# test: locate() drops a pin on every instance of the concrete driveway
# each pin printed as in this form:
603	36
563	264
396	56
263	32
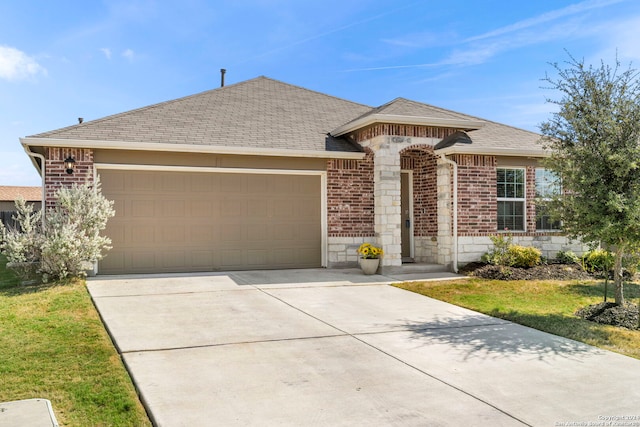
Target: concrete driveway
316	347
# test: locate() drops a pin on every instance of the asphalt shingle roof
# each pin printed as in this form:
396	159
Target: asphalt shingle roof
269	114
257	113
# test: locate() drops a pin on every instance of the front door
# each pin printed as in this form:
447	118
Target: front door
406	204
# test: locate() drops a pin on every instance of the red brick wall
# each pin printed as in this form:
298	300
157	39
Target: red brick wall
56	175
477	195
416	131
350	202
422	162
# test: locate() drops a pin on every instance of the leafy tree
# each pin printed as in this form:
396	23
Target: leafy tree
67	239
595	152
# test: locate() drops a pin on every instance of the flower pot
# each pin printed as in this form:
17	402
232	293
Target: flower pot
369	265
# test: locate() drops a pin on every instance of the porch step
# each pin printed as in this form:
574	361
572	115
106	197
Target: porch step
416	268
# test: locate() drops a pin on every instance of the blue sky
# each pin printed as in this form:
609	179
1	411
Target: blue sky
60	60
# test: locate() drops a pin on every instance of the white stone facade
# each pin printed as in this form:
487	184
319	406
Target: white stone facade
471	248
343	251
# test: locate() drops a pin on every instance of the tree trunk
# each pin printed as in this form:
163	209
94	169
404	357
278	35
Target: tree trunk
617	275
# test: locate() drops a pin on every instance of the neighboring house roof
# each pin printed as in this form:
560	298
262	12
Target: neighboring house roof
9	193
263	115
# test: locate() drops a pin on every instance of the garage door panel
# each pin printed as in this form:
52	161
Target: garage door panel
232	233
257	208
283	208
201	208
258	258
114	260
231	257
136	233
143	208
217	221
256	184
177	183
202	233
281	185
257	232
174	234
282	232
172	208
142	260
173	260
232	183
140	182
232	208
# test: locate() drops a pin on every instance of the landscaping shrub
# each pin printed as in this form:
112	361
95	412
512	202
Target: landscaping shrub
505	253
567	257
69	239
524	256
598	261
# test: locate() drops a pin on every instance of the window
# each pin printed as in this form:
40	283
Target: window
547	186
511	197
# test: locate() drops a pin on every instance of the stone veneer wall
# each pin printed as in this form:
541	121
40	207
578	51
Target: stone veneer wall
350	208
471	248
56	175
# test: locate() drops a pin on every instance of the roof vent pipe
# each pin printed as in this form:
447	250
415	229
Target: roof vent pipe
222	71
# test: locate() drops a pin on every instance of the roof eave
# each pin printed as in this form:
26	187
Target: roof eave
187	148
407	120
494	151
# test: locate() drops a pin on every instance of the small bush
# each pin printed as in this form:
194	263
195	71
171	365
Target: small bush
66	240
500	253
567	257
505	253
598	261
524	256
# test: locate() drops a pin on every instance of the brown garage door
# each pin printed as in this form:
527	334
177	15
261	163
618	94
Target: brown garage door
187	221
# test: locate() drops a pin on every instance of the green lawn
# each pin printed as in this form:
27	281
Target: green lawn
55	347
545	305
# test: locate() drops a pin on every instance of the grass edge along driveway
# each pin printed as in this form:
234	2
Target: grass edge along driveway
548	306
55	347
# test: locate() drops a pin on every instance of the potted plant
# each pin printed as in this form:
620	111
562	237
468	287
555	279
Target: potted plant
369	258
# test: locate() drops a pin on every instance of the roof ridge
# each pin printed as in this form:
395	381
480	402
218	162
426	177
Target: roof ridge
458	113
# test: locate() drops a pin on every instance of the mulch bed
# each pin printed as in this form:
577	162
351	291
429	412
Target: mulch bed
608	313
539	272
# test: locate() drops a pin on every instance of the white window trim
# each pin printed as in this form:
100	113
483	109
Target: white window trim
515	199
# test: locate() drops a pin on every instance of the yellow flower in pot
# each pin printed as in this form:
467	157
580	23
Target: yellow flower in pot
369	257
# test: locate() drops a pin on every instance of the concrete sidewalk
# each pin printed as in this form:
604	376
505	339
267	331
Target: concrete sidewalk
333	347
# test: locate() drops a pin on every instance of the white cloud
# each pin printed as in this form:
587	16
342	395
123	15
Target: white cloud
547	17
17	65
129	54
107	52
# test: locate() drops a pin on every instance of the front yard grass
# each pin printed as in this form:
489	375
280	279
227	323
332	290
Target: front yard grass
544	305
55	347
